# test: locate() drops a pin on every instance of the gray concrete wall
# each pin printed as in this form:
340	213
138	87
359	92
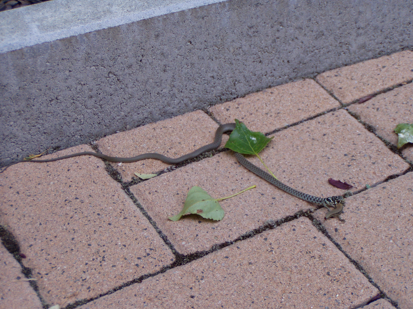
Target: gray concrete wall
127	69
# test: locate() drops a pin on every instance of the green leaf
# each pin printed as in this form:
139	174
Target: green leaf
405	132
199	202
245	141
145	176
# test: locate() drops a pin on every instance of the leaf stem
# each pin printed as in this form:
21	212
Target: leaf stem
265	166
32	156
227	197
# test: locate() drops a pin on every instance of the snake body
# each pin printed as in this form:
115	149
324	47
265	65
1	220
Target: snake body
214	145
332	201
337	202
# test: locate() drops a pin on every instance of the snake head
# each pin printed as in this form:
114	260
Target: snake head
333	201
337	203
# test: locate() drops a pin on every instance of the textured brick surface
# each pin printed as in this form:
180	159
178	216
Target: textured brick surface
15	291
80	232
293	266
378	234
331	146
220	176
303	157
277	107
408	153
173	138
386	111
362	79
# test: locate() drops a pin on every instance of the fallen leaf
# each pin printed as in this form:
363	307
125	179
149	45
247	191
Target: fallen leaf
365	99
245	141
339	184
145	176
199	202
405	132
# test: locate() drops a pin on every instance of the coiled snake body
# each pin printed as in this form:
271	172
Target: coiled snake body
336	202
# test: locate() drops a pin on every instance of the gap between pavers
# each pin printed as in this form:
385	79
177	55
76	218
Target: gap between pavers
81	233
304	156
15	290
378	235
380	304
366	78
292	266
277	107
173	138
385	111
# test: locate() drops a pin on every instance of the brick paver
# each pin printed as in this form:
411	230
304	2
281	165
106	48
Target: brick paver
80	232
277	107
93	241
257	273
386	111
378	234
366	78
173	137
15	291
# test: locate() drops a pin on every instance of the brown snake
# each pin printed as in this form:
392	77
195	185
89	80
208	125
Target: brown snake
336	202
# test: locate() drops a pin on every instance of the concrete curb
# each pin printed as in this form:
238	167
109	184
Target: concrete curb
75	78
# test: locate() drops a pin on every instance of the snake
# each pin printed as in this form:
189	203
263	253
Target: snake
336	202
